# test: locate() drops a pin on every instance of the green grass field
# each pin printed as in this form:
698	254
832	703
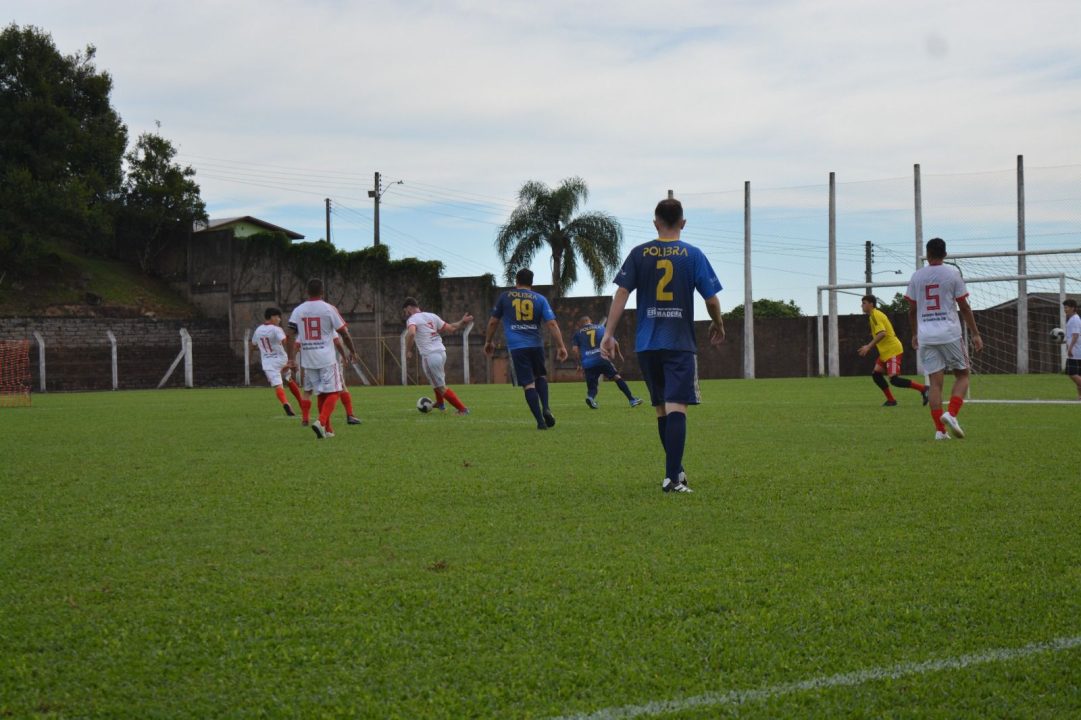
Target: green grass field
195	553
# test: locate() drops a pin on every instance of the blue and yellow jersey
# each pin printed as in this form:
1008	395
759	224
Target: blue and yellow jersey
588	341
665	273
523	312
889	345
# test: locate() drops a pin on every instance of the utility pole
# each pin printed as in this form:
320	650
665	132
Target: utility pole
868	254
377	195
328	219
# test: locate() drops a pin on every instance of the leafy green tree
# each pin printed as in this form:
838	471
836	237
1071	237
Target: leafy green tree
160	201
768	309
61	144
897	306
547	217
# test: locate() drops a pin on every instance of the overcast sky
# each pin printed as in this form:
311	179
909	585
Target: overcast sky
278	105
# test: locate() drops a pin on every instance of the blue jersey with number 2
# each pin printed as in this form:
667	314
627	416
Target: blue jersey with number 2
665	273
523	312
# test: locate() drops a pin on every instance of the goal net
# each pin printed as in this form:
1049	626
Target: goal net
1017	301
14	373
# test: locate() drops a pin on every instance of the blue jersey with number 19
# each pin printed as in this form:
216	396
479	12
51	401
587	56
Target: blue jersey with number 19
666	273
522	312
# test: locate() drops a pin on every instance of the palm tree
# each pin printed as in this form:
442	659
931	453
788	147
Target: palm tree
547	216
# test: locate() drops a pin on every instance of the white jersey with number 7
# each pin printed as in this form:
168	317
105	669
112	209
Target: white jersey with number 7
935	289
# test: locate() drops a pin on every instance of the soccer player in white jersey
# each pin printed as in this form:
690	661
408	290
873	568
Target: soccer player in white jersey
426	330
268	338
1073	343
935	294
313	325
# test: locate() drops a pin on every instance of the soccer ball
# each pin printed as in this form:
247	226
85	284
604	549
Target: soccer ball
425	404
1058	335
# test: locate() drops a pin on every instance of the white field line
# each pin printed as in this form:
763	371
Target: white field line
859	677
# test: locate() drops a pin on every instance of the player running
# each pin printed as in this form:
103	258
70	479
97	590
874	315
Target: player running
426	330
934	294
313	324
586	344
522	311
890	352
269	337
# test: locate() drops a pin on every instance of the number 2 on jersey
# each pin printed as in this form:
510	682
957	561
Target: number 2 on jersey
669	271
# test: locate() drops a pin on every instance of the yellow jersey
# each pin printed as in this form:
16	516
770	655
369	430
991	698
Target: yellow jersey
889	345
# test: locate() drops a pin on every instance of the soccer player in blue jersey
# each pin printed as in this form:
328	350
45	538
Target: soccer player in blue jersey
665	272
587	351
523	311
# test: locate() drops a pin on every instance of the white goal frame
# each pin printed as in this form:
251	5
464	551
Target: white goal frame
1022	339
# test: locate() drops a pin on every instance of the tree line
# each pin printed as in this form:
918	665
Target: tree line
68	177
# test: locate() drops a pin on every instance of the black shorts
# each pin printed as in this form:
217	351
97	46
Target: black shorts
605	368
1073	366
671	376
528	365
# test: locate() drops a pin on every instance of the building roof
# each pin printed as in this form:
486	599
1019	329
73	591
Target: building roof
1036	297
223	223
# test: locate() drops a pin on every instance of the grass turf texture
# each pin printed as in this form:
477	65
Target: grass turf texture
195	553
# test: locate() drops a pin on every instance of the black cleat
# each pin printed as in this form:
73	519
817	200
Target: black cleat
890	403
352	420
549	419
288	410
926	396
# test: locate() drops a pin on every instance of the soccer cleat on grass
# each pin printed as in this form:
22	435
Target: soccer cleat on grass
352	420
304	423
288	410
329	433
953	425
541	426
941	435
682	478
635	402
317	428
549	418
463	411
926	394
890	403
677	486
591	402
441	407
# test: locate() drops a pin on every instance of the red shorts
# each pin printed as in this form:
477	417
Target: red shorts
889	367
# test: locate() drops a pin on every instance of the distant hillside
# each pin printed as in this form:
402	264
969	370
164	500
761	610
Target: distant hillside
81	286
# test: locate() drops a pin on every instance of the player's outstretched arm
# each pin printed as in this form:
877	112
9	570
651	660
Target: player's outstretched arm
615	314
456	326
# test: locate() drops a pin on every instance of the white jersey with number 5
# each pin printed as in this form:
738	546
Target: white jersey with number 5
935	289
316	322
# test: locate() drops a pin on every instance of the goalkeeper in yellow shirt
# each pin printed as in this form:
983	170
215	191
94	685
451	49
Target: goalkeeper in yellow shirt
890	351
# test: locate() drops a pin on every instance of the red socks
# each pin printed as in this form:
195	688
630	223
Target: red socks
936	415
347	401
449	395
281	394
955	405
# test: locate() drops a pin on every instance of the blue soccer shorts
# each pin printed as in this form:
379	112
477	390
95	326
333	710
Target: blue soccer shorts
671	376
528	365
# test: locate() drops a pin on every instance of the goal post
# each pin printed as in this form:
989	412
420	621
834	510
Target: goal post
1015	313
15	373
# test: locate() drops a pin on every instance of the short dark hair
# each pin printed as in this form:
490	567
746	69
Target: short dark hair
271	312
936	249
410	302
1069	302
315	288
524	277
871	299
669	211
